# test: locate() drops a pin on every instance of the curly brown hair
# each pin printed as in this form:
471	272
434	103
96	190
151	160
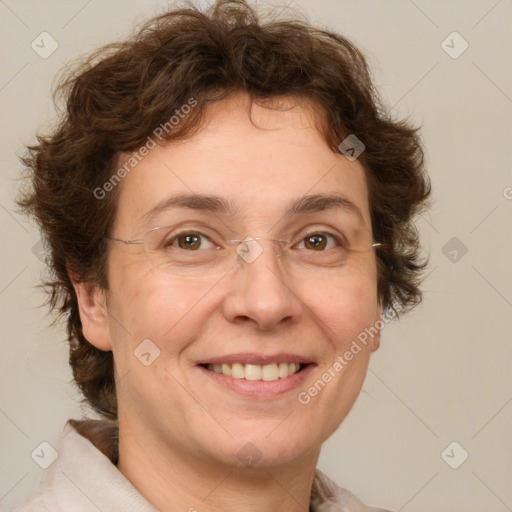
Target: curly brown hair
116	97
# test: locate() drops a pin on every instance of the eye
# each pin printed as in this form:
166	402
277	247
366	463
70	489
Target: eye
319	241
189	241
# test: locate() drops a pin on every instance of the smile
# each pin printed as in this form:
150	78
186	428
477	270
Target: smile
268	372
258	376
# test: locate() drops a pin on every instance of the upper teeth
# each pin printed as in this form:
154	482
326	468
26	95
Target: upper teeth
267	372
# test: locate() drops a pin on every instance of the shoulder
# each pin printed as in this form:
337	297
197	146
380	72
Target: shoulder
36	503
62	481
84	476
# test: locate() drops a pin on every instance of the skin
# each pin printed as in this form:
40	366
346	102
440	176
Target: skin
180	432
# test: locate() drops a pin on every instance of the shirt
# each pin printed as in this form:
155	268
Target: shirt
84	478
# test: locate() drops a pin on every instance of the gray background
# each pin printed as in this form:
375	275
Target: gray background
443	373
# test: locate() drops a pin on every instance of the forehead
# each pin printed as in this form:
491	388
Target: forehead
260	159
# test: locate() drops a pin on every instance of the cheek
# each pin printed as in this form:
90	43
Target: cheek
147	304
345	308
347	312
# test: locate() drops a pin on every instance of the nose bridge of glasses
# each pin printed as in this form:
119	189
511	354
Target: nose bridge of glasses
250	248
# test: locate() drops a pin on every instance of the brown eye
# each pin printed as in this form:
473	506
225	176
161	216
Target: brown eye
319	242
316	242
189	241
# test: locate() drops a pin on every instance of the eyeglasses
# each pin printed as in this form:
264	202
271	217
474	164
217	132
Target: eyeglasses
193	253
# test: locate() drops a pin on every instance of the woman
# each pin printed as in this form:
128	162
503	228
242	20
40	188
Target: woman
229	214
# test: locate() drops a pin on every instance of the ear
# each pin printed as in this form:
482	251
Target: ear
379	323
93	313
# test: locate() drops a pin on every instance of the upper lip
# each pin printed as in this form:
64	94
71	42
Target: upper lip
252	358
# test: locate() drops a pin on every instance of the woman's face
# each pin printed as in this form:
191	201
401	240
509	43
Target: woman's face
304	302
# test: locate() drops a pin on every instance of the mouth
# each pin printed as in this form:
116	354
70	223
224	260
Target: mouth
257	377
256	372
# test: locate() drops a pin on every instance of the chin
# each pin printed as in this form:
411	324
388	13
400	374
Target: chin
267	449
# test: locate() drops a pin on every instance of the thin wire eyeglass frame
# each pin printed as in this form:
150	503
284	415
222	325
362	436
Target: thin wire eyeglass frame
142	241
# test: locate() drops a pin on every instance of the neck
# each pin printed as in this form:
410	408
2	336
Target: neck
172	480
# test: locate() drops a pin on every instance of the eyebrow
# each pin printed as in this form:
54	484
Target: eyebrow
219	205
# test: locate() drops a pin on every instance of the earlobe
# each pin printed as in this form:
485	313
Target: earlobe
93	313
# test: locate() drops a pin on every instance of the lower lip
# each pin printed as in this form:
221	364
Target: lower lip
260	388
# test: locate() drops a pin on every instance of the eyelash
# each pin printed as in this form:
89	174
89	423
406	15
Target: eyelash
336	238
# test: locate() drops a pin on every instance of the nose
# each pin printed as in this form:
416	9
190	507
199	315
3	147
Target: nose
260	292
